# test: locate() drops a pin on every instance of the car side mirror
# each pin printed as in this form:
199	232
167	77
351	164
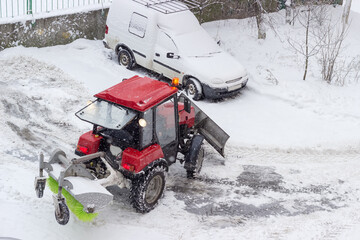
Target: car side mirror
187	105
172	55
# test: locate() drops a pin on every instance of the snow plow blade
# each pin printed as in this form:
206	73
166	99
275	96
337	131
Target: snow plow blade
213	134
69	178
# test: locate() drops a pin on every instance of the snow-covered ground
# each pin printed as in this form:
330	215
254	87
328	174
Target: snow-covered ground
293	158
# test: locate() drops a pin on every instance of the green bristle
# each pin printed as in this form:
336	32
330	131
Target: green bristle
74	205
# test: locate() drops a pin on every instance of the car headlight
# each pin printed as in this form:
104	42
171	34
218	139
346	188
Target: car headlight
238	80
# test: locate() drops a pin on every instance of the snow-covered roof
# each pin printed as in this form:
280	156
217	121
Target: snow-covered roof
138	93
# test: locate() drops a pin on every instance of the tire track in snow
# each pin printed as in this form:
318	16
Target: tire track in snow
327	229
335	229
220	198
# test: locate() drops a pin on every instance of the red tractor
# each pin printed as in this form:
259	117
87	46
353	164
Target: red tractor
139	128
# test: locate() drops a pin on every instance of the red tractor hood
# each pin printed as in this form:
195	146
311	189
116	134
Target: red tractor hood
138	93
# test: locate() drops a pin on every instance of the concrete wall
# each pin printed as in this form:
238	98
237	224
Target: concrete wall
54	30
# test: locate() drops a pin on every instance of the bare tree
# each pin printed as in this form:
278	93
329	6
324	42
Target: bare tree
203	6
288	5
332	42
309	46
259	10
335	68
346	12
328	37
346	71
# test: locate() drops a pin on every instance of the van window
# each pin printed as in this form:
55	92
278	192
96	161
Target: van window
138	24
166	42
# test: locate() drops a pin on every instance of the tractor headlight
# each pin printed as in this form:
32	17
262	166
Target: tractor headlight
142	122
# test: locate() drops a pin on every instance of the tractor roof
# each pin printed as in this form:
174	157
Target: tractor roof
138	93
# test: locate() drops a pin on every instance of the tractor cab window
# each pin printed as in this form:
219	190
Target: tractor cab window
165	123
106	114
146	126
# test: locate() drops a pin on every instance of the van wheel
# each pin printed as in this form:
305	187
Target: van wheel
125	59
193	89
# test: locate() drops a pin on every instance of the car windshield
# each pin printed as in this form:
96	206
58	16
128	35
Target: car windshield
197	43
190	38
106	114
179	23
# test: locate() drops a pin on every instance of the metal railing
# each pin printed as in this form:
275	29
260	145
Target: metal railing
170	6
16	8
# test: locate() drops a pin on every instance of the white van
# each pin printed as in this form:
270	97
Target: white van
165	37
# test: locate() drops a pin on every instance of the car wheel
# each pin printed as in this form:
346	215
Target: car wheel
193	89
125	59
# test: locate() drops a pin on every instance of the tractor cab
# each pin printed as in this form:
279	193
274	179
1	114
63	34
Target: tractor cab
139	116
128	128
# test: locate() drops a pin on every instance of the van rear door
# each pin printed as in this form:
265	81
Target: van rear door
139	38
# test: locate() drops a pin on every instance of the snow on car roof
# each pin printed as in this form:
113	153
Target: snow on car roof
138	93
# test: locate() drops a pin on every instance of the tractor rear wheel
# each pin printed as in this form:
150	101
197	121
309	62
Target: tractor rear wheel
147	190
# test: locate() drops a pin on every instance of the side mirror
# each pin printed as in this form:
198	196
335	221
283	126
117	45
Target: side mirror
172	55
187	105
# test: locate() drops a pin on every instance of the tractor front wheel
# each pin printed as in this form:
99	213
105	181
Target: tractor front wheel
198	164
39	192
62	214
148	189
